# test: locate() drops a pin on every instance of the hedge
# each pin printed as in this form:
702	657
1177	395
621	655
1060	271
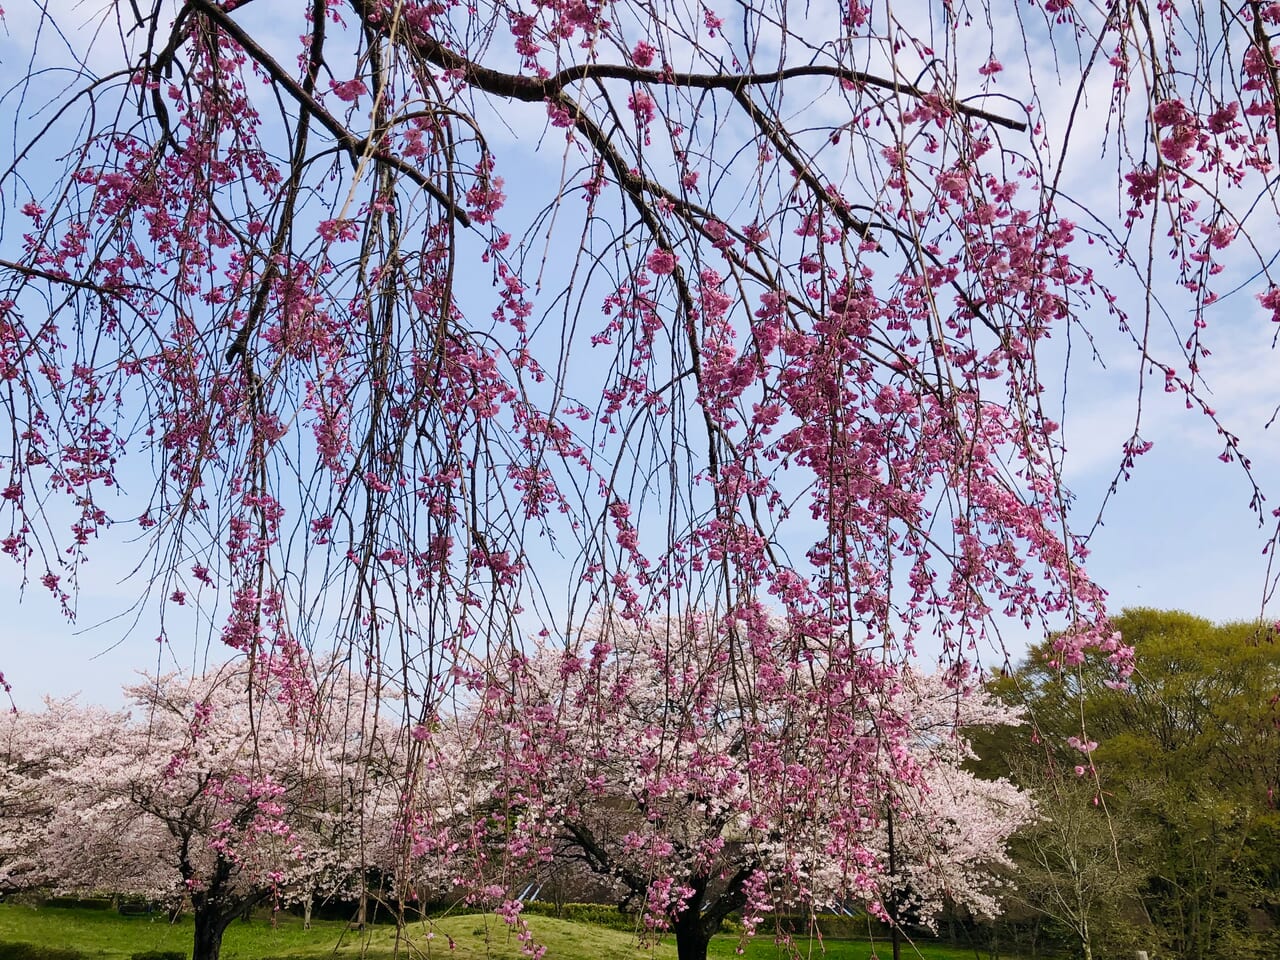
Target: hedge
31	951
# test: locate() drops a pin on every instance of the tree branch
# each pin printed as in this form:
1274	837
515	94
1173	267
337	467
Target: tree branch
357	147
533	89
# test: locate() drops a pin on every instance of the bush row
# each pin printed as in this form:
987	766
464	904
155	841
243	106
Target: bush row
599	914
33	951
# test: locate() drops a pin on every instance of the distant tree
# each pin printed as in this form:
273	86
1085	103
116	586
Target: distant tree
1184	757
1081	864
693	793
36	750
945	848
216	790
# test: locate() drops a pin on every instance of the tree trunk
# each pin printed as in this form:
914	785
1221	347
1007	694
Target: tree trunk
692	939
306	912
891	904
1086	947
211	923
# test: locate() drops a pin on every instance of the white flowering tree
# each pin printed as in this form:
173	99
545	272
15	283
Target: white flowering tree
38	749
231	789
948	842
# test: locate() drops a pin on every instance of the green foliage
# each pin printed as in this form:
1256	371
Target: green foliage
137	907
1170	824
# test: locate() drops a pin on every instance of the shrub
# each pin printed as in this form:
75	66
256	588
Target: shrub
79	903
835	926
31	951
599	914
136	907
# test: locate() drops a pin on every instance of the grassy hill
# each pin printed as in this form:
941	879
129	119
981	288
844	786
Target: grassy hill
105	935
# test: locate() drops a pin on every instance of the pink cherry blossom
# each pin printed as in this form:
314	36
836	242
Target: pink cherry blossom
348	90
642	105
661	262
642	54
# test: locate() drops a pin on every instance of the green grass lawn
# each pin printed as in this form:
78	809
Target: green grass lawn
105	935
763	948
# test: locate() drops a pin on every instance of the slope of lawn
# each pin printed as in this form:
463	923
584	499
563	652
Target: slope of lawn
105	935
764	948
479	936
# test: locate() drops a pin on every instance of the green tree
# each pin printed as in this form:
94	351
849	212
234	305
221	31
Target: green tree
1081	865
1186	762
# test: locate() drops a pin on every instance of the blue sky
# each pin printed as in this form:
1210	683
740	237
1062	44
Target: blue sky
1178	534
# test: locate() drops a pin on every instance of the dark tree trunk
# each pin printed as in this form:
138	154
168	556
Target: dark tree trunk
703	916
891	901
693	935
211	923
704	909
